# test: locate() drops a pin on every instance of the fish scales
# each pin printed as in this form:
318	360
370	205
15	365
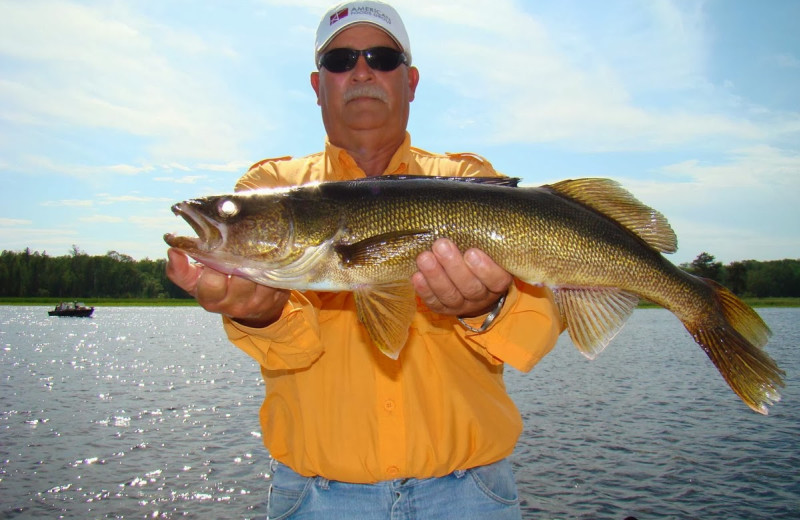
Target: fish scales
594	245
522	229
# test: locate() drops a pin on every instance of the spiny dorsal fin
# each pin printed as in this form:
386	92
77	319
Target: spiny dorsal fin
594	316
387	311
510	182
609	198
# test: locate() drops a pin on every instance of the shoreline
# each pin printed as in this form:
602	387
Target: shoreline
102	302
189	302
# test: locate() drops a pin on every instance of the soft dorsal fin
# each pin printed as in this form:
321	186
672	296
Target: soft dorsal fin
609	198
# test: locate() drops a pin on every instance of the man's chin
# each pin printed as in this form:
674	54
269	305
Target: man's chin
363	118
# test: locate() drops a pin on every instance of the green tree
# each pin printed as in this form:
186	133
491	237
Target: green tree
736	276
705	266
116	275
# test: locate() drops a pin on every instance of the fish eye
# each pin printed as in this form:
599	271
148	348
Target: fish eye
228	208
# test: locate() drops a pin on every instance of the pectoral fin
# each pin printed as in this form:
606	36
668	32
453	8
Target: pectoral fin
594	316
386	311
379	248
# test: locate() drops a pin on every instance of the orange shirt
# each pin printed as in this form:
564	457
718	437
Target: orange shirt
335	406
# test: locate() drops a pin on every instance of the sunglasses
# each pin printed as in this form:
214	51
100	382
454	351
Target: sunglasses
384	59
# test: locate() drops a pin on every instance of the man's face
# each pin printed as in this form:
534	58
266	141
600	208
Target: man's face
363	99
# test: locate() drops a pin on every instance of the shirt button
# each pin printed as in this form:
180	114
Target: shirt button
388	405
392	471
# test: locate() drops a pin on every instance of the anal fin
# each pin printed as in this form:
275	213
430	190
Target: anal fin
387	311
594	315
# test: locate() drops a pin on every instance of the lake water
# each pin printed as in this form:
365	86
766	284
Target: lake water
151	413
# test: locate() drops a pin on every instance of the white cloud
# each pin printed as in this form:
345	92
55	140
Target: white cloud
105	67
230	166
750	167
105	199
742	206
70	203
186	179
14	222
730	243
627	77
176	166
160	223
102	219
37	165
114	199
787	61
37	239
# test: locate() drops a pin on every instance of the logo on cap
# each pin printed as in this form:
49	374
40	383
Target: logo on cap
335	17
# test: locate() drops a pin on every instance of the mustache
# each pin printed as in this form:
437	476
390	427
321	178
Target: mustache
370	91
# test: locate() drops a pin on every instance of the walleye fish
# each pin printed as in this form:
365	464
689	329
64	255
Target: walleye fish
591	242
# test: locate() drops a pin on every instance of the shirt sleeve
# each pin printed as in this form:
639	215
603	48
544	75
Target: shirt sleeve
291	343
524	332
263	174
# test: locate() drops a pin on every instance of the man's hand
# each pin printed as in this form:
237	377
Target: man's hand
459	285
247	302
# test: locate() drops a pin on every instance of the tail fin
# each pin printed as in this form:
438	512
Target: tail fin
733	337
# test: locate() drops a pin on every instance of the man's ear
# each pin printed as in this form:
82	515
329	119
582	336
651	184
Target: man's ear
315	83
413	81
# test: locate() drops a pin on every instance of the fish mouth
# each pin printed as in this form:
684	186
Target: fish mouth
210	234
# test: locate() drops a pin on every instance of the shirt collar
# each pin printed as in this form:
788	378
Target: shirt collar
344	167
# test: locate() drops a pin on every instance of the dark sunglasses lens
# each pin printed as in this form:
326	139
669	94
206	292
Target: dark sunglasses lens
339	60
384	58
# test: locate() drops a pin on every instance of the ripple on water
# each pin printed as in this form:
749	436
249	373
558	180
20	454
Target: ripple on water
150	412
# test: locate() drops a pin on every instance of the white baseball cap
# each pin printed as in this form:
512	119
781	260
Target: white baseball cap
379	14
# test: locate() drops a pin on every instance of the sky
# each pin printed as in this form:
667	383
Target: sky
113	110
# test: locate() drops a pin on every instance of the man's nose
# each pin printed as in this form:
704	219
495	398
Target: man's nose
362	71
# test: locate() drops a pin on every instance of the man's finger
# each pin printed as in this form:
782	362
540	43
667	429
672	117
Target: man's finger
437	278
181	272
492	276
212	287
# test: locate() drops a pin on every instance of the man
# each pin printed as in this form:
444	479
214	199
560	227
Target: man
353	433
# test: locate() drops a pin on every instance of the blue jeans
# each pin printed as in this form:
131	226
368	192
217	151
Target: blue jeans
486	492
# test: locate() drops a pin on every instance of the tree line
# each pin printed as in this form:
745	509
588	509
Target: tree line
80	276
751	278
